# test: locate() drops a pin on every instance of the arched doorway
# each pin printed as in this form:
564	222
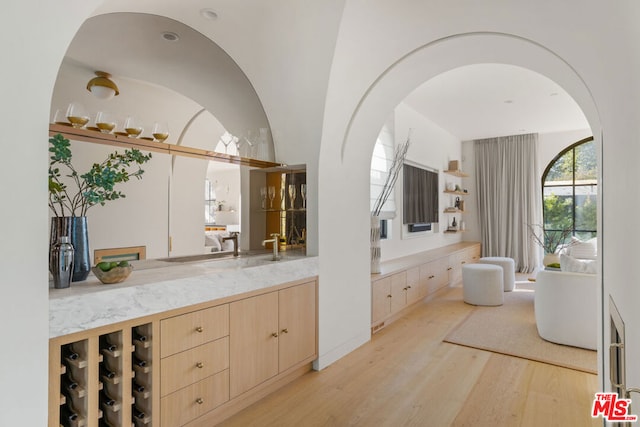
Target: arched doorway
346	278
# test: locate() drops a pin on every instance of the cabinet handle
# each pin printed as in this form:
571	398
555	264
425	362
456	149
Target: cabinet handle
409	287
405	288
199	365
388	296
199	329
432	276
275	335
199	401
463	262
450	268
285	331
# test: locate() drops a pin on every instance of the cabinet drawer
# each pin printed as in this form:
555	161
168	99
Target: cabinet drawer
193	329
188	367
191	402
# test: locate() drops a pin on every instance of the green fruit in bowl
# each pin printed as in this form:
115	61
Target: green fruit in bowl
114	264
104	266
123	264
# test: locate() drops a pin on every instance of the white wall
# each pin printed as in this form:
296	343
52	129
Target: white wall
432	147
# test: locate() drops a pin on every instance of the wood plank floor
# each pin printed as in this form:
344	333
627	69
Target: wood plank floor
406	376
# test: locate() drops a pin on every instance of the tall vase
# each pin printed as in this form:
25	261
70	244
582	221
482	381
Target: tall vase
76	229
375	244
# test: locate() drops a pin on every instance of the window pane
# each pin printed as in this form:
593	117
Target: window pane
586	208
562	171
586	163
558	207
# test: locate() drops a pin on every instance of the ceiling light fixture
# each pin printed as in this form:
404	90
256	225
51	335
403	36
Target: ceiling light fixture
101	87
208	14
170	36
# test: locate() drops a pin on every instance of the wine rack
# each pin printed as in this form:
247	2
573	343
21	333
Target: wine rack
142	379
73	384
104	380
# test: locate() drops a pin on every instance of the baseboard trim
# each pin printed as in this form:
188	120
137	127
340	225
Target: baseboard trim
342	350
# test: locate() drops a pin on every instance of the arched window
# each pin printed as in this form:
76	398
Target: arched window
570	189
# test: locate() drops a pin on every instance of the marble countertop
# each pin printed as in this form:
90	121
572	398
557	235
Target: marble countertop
167	286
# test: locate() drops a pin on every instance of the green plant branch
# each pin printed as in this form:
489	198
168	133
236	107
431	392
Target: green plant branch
96	186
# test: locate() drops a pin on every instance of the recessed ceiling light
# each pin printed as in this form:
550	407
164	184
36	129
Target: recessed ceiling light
508	101
170	36
209	14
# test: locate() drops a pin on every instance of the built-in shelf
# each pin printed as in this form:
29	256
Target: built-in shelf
457	173
454	231
459	193
97	137
453	211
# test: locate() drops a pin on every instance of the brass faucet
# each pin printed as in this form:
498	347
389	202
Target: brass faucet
233	236
276	241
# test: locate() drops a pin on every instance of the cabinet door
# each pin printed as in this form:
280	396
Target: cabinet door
297	313
380	299
454	268
437	273
415	288
398	291
253	341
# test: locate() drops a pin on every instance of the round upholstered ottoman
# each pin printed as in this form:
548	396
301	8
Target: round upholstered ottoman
508	268
482	284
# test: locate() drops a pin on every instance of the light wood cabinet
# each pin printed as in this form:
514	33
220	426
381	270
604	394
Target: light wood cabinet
270	334
254	341
297	324
421	275
184	368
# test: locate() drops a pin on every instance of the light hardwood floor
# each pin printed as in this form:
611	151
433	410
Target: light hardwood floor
406	376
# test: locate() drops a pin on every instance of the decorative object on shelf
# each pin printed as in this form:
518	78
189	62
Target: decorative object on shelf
272	195
303	193
292	195
133	127
112	272
102	87
551	241
263	197
62	263
160	131
389	184
76	115
376	252
71	195
105	122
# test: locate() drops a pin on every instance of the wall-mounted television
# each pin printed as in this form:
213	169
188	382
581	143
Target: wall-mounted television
420	197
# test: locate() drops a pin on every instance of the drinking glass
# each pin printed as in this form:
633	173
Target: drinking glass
132	127
292	194
272	195
226	139
303	193
263	195
160	131
105	122
77	115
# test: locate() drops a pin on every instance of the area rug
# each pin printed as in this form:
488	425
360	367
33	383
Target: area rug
511	329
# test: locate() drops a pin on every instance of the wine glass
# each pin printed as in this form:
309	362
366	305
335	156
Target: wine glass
226	139
132	127
160	131
105	122
250	140
272	195
292	194
263	195
77	115
303	193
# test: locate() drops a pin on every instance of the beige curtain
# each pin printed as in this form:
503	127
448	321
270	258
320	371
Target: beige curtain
509	197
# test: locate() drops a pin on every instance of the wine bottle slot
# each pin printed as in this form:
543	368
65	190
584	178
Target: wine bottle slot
139	362
137	413
137	387
69	353
68	382
107	344
138	336
106	399
106	372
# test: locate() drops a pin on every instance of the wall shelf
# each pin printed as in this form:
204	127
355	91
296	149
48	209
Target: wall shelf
457	173
96	137
459	193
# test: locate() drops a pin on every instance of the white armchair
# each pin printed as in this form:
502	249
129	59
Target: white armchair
566	308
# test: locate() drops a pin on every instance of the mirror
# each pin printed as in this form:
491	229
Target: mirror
192	85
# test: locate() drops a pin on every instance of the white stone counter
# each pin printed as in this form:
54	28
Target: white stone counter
90	304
